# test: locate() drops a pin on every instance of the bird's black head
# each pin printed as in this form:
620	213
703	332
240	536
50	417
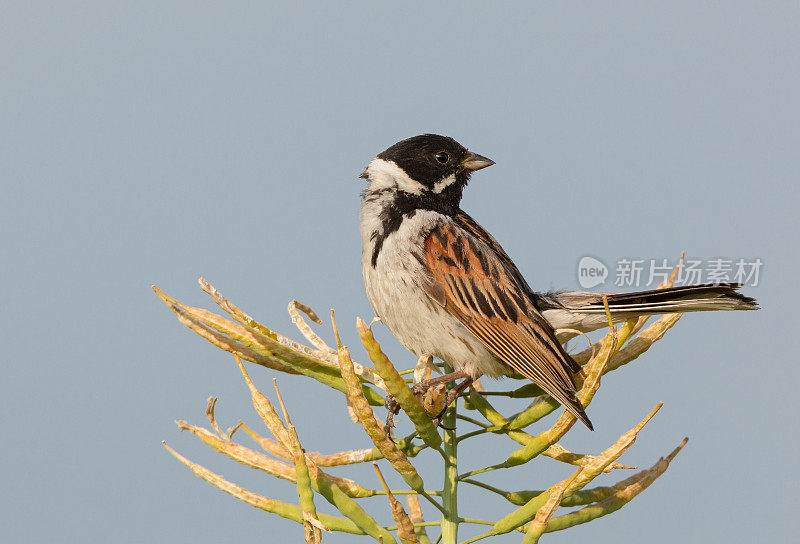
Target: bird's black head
429	167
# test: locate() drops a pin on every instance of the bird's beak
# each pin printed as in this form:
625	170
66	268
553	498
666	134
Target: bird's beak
473	162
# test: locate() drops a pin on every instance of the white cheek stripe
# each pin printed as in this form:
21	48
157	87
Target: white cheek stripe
443	183
386	175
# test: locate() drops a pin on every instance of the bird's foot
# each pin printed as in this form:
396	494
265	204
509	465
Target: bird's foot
394	408
434	397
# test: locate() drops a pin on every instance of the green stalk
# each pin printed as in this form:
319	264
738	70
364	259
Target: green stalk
450	489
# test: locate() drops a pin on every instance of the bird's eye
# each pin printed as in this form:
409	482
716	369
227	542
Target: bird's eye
442	157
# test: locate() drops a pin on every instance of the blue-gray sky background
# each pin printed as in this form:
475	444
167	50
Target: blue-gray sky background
155	143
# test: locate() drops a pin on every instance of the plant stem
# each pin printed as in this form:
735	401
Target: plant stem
449	491
431	500
482	470
473	421
476	521
477	538
485	486
473	433
404	492
418	524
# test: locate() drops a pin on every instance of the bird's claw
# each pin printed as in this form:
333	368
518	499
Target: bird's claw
435	399
394	408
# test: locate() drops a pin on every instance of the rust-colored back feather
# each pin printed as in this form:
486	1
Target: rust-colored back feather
471	281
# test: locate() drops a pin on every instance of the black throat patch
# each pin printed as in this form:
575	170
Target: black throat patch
405	205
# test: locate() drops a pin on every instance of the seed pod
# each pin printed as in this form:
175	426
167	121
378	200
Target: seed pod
253	344
374	430
397	387
590	378
539	524
624	492
405	528
521	515
288	511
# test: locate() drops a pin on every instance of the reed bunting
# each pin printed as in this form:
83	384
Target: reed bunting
446	288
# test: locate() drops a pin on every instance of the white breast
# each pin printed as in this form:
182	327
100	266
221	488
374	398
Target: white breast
393	289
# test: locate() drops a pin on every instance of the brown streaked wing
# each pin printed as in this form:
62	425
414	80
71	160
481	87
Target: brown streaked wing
466	222
473	284
463	220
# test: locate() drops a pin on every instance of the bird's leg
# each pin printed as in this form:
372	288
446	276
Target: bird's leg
434	395
394	408
457	390
421	370
452	395
420	389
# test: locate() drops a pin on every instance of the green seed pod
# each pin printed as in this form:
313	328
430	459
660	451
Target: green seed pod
397	387
374	430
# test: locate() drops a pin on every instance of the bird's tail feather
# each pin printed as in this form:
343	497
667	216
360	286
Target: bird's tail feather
578	310
574	406
690	298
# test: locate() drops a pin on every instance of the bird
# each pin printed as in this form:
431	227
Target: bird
446	288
